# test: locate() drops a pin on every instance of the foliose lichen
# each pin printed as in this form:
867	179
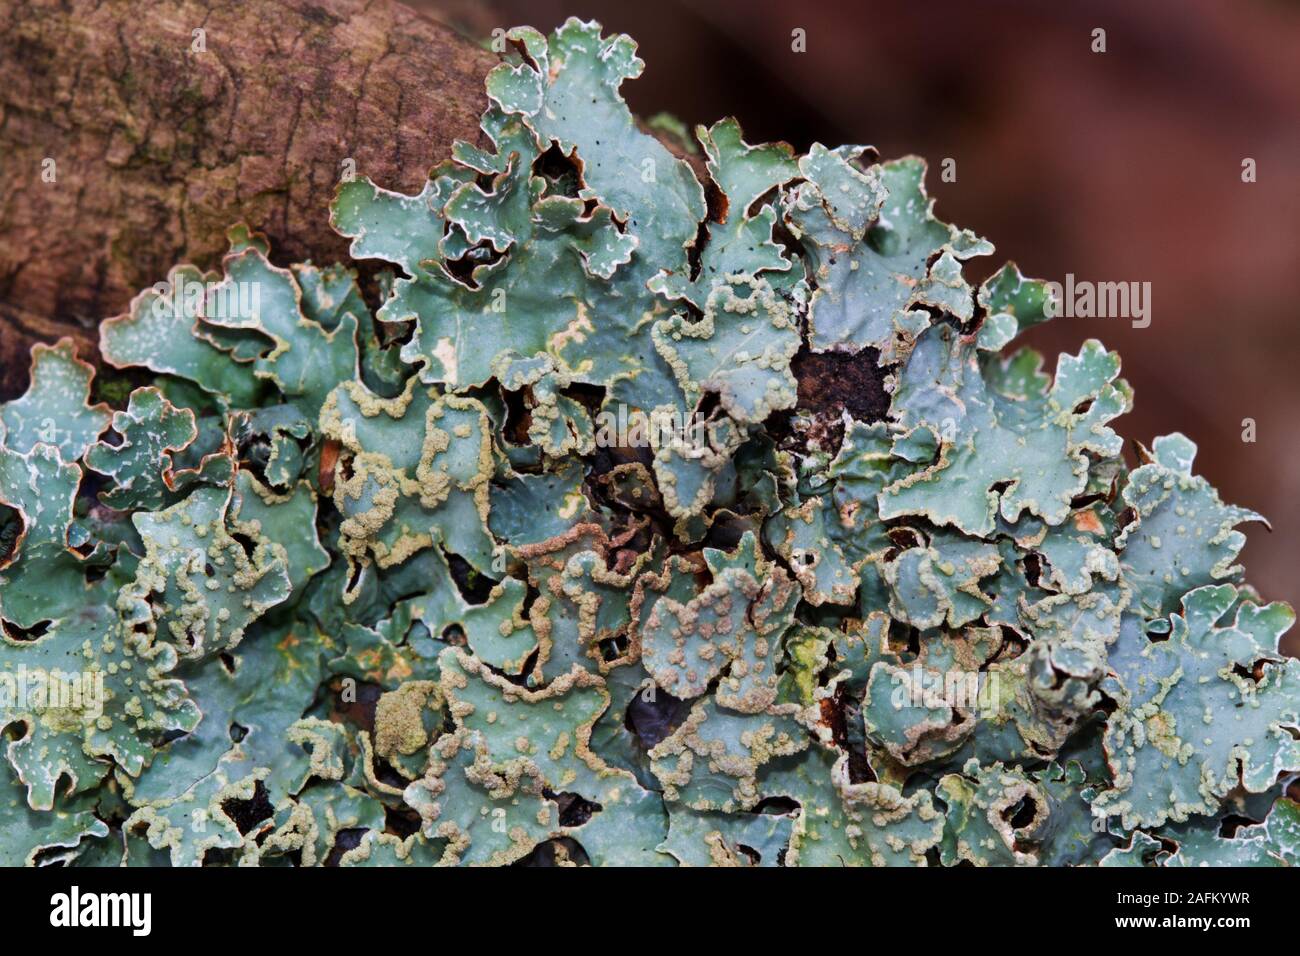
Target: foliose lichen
547	556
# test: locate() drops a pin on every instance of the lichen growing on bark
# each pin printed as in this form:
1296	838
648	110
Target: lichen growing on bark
569	549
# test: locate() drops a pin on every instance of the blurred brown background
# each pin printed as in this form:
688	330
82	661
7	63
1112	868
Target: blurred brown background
1117	166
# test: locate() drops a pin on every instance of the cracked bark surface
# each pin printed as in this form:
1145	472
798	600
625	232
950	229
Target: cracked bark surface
158	149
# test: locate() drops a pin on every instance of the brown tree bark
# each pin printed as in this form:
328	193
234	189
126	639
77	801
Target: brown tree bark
130	142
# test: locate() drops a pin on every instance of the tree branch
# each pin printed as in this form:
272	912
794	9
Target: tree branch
160	138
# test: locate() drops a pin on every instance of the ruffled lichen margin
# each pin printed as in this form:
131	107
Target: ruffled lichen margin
429	584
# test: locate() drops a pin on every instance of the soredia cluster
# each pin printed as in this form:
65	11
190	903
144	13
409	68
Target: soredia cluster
673	506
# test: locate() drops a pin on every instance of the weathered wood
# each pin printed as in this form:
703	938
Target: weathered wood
161	137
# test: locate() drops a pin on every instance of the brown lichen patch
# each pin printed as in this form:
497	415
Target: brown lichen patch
830	385
831	381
